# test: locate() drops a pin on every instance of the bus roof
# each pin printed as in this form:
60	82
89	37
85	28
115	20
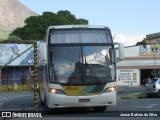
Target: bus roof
78	26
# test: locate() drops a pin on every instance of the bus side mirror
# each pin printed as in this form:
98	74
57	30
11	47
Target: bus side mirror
43	53
119	51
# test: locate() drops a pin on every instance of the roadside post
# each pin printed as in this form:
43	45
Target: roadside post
35	77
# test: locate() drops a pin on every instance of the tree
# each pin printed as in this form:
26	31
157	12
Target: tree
36	26
155	47
152	48
14	37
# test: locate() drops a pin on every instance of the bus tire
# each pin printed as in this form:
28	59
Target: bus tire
150	96
100	108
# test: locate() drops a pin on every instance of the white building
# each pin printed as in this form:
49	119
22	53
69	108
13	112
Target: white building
139	65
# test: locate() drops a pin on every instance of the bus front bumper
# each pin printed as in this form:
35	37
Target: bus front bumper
60	101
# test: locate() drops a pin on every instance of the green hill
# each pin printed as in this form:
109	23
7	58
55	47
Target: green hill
4	35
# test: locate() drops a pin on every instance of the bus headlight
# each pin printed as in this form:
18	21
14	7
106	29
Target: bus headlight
109	89
56	91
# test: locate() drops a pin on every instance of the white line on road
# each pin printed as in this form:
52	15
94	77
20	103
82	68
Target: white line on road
150	106
1	104
4	98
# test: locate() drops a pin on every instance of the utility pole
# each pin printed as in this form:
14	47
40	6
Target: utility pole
154	65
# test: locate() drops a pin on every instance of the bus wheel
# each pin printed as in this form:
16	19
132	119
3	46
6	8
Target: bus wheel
150	96
100	108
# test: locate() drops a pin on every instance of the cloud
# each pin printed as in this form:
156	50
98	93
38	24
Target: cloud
127	40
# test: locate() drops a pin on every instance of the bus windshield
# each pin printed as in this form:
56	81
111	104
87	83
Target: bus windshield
80	64
80	36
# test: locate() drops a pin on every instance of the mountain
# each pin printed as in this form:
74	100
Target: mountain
12	14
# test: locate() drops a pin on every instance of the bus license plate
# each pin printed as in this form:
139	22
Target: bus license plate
84	100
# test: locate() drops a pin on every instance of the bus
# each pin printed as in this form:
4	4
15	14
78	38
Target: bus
77	67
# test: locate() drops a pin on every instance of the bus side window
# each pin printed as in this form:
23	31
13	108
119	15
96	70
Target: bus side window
45	73
51	68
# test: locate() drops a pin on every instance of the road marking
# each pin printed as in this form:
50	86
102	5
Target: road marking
4	98
1	104
150	106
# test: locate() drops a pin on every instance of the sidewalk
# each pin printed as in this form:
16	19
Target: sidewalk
129	87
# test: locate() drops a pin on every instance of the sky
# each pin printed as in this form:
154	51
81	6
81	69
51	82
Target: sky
129	20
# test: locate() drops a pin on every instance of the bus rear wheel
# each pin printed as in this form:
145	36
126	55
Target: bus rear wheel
100	108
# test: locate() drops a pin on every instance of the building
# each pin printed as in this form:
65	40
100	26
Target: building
19	70
139	65
141	62
153	38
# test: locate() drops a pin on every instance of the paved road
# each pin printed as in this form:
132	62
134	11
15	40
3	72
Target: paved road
15	101
23	102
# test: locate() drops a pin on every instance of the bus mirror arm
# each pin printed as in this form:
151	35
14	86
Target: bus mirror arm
120	51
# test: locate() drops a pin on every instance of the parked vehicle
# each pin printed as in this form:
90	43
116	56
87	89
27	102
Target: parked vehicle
152	88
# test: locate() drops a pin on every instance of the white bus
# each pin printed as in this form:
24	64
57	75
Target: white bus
77	67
